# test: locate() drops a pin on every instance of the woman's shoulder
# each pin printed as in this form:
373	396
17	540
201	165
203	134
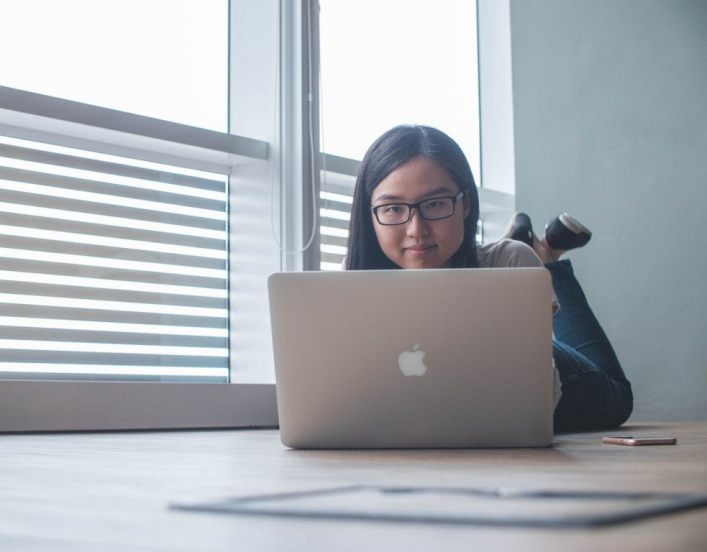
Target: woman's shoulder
507	253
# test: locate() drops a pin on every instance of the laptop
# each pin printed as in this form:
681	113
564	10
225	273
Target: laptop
447	358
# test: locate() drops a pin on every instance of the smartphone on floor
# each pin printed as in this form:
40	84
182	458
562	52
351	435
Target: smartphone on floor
637	441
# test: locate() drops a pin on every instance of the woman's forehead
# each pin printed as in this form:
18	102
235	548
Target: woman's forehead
419	178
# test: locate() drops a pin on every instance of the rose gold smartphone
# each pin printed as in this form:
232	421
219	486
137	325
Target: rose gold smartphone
635	441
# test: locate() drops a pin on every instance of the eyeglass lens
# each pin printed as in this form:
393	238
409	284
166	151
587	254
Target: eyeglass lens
399	213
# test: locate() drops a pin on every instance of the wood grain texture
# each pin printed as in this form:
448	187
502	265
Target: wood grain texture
111	491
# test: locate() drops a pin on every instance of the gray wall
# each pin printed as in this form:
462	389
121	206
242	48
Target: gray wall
610	116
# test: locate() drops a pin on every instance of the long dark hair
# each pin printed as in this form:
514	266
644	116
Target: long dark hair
389	152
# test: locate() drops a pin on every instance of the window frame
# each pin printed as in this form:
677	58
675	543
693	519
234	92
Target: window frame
45	405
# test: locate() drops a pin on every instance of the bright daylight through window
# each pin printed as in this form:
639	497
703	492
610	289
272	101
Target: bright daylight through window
165	59
384	63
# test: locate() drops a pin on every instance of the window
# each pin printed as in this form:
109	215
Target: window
416	64
164	59
120	222
190	197
387	62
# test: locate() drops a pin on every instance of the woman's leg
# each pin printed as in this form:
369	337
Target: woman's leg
595	391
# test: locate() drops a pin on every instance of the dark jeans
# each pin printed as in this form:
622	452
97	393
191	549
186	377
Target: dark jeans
595	391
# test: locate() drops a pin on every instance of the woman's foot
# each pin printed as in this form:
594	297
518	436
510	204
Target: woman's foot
520	229
562	234
565	233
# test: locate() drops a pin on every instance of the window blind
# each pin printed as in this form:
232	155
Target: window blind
110	268
336	197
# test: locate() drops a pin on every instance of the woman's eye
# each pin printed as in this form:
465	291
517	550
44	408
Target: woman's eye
433	204
392	209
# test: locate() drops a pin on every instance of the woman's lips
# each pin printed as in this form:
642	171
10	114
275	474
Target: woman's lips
419	249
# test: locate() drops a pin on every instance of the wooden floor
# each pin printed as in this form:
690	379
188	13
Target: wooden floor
111	491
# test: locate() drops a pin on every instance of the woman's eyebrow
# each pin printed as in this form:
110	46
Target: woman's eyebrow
442	190
386	197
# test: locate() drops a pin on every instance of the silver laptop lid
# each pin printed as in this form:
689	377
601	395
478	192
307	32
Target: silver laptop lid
453	358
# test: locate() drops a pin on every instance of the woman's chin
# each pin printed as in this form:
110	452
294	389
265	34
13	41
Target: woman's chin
421	263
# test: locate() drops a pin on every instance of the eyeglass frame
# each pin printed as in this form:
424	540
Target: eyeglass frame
412	206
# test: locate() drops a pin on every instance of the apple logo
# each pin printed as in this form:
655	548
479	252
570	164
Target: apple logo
410	362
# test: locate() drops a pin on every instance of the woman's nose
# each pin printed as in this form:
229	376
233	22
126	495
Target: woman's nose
417	226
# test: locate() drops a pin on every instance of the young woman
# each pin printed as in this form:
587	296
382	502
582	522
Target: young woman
416	205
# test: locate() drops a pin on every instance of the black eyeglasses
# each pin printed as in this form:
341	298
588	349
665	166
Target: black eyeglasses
436	208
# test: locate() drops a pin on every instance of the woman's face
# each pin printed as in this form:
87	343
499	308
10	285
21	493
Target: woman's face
419	243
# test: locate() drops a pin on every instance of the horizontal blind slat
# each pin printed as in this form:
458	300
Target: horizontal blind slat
88	211
69	186
114	327
94	165
63	357
332	258
91	229
81	241
34	335
335	224
112	316
96	372
50	213
112	274
9	288
54	248
334	240
93	304
114	263
337	206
